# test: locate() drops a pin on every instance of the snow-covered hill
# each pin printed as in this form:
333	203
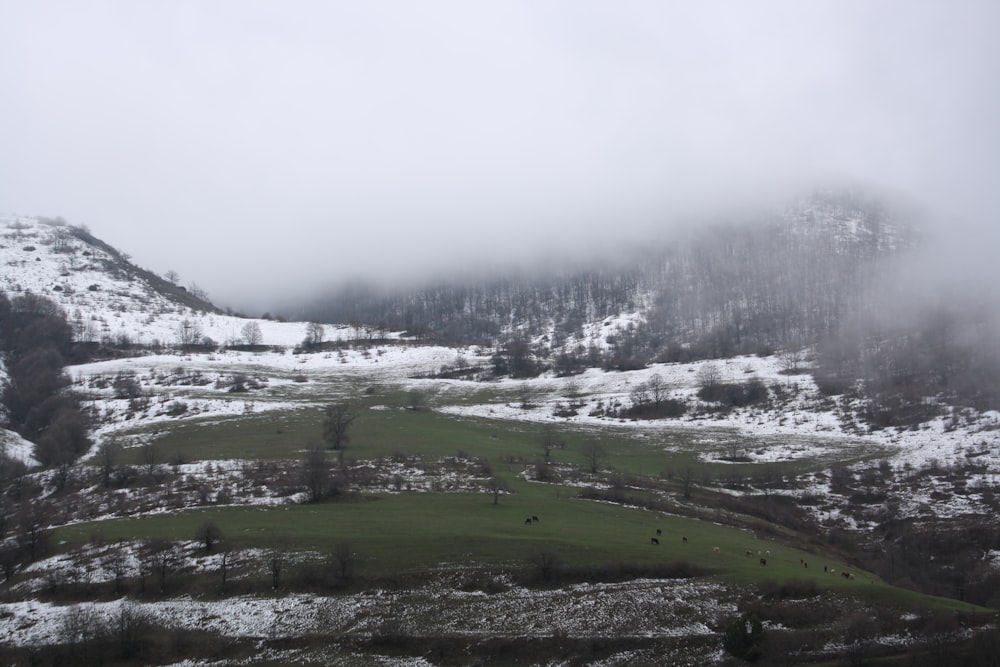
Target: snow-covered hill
107	298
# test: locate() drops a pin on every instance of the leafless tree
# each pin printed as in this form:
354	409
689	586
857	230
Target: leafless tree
315	333
275	560
189	332
336	423
594	452
160	559
252	334
107	459
118	563
709	375
687	480
343	559
497	485
316	472
551	439
208	534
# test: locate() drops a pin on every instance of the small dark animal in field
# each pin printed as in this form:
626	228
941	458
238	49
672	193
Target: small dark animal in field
527	522
659	532
653	540
763	561
824	568
684	539
749	552
845	574
534	518
805	565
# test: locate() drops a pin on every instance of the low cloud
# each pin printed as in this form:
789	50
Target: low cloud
259	151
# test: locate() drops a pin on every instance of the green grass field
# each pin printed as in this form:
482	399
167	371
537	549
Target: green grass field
415	531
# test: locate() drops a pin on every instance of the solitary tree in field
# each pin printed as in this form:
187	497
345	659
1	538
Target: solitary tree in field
315	333
709	376
343	559
208	534
336	423
275	560
316	473
594	452
551	439
251	334
497	485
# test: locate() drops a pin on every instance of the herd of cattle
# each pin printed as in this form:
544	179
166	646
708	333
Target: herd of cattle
762	554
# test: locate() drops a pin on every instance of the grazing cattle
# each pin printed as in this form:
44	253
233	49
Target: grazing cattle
763	561
527	522
659	532
845	574
767	553
715	550
832	571
653	540
749	552
684	539
534	518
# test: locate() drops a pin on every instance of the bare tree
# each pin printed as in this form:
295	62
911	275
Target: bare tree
32	537
315	333
316	473
657	388
189	332
160	559
208	534
226	563
791	360
594	452
343	559
336	423
547	563
497	485
709	376
107	459
118	563
551	439
687	480
172	276
252	334
150	457
275	560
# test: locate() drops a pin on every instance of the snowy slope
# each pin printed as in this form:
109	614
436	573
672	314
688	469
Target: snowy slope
106	298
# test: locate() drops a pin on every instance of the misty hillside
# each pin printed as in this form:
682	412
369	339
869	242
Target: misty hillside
834	272
735	285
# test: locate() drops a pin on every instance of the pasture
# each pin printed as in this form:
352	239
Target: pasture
414	532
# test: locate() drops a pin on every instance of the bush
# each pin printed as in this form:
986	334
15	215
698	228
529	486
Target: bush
734	394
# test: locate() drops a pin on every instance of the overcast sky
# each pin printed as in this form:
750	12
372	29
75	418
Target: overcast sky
256	147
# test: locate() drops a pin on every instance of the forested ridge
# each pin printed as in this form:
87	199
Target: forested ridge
822	275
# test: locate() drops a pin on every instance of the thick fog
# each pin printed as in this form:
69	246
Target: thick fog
261	147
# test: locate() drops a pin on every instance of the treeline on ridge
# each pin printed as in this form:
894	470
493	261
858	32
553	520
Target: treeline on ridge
812	277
